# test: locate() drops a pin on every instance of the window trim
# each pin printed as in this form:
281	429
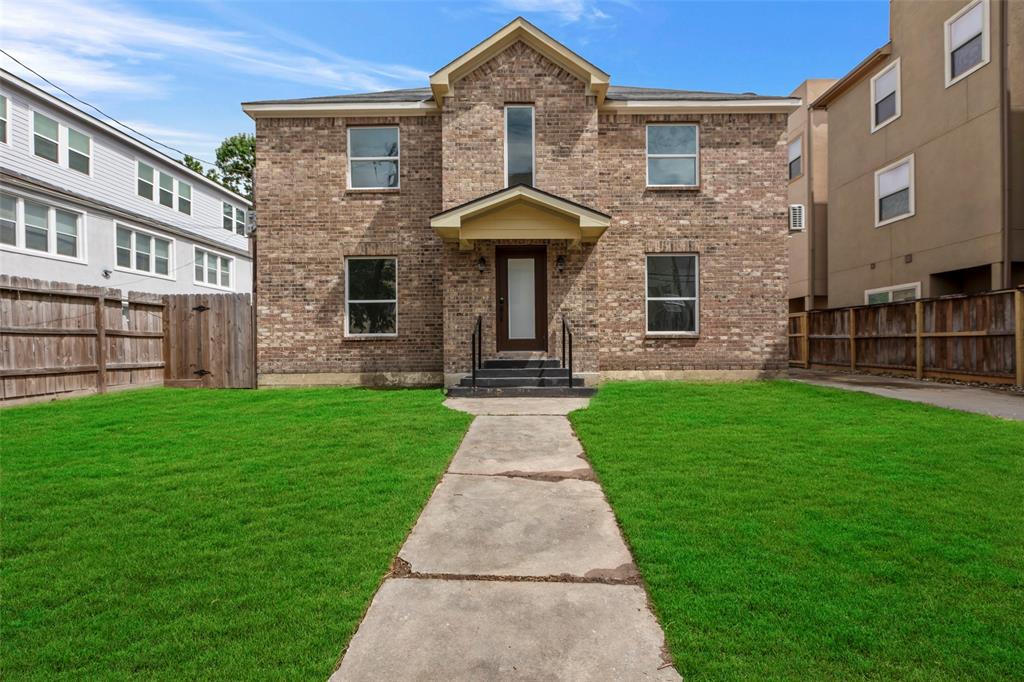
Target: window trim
397	158
233	218
65	133
207	285
533	141
32	136
695	156
895	64
178	198
986	32
799	138
138	178
350	335
916	286
877	209
171	252
6	118
51	229
695	298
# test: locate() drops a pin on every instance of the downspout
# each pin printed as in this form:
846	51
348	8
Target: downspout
809	210
1004	132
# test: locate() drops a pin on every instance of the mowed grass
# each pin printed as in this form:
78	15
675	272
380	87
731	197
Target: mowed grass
190	534
792	532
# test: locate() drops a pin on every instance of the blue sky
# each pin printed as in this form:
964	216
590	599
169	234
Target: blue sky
179	70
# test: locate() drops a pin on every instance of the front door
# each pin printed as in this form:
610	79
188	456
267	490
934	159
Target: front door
522	289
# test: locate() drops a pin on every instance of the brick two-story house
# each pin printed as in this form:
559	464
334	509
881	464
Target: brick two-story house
520	189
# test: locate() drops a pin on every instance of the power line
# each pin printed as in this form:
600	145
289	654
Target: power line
100	111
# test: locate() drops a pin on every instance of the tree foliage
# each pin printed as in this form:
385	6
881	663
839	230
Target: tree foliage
236	159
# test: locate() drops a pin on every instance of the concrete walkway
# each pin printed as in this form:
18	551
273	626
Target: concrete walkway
515	570
990	401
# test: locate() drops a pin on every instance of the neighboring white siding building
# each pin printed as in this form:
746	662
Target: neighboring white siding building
84	203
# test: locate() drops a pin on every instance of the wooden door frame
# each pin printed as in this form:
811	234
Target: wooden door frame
540	292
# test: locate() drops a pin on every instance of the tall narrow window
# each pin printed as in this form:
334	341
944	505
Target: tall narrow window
967	41
146	180
885	96
373	158
518	146
67	233
8	220
672	155
371	297
45	137
37	226
796	158
166	190
239	221
79	151
894	192
672	294
184	197
3	119
227	220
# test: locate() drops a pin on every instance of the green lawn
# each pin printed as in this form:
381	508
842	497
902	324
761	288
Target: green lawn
191	534
788	531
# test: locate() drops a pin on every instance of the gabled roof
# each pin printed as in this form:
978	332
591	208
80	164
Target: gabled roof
443	79
520	212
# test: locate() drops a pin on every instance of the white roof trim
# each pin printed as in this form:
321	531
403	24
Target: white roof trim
65	108
782	105
301	109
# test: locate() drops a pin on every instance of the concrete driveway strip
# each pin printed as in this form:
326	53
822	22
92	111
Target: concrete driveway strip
515	569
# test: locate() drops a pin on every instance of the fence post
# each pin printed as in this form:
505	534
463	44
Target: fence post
919	339
805	344
101	344
1018	306
852	325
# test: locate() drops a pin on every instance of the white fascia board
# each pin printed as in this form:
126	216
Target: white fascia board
759	106
341	109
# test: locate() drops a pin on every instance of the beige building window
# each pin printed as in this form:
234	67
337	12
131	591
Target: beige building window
371	296
967	41
894	192
796	158
673	156
373	158
885	96
672	299
896	294
519	156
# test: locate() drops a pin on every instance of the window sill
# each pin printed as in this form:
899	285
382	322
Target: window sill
43	254
373	190
890	221
224	290
130	271
792	180
672	335
672	188
875	127
370	337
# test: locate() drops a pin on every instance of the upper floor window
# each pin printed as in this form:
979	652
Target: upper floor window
213	269
3	119
885	96
894	192
371	296
143	252
45	137
234	218
672	155
967	41
373	158
166	190
35	226
672	294
519	162
146	180
184	197
796	158
79	151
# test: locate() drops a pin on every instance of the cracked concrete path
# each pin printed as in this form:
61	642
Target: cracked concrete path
515	569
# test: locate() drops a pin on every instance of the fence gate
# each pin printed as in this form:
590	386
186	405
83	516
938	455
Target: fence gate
208	341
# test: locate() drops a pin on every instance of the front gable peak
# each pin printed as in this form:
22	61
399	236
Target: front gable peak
519	29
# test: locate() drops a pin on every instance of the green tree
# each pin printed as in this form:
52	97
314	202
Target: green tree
192	163
236	159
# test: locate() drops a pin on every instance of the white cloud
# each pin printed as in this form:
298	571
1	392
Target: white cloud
569	11
111	48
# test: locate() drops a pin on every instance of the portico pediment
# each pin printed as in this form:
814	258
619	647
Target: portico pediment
520	212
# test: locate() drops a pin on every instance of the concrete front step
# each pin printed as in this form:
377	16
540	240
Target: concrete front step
550	372
522	392
533	363
523	382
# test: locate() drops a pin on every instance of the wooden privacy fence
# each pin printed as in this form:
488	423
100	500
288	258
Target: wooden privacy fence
977	337
59	338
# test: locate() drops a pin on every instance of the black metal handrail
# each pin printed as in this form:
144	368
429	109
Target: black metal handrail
476	344
567	336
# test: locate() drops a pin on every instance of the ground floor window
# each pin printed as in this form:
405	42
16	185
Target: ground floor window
371	296
143	252
672	305
896	294
213	269
36	226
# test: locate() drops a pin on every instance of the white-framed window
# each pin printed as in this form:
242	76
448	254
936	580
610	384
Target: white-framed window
147	180
45	137
44	229
795	153
519	145
896	294
894	192
213	269
966	38
79	152
673	155
3	119
141	251
796	217
233	218
184	197
371	296
886	104
672	293
373	157
165	190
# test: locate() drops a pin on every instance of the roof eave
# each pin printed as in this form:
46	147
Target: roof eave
339	109
782	105
866	66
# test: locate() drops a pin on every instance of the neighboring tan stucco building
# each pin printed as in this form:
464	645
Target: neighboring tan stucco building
653	220
807	154
925	183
